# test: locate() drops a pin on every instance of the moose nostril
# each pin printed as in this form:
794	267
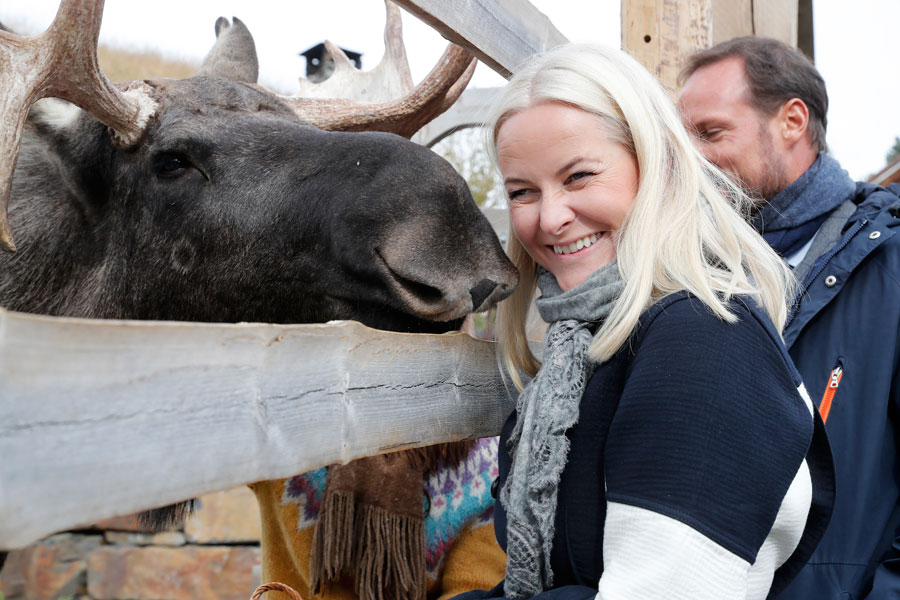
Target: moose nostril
481	291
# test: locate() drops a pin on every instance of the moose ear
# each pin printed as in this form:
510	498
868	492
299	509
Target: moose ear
233	56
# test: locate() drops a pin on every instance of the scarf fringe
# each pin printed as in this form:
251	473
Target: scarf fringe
372	544
332	548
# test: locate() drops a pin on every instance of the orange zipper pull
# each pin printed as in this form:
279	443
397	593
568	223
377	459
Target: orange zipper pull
834	380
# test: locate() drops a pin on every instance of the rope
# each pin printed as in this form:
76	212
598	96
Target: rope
275	586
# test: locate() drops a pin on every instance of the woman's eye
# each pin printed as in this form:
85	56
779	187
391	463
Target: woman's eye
518	194
579	176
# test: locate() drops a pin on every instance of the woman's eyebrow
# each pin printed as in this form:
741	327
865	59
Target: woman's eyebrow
514	180
570	164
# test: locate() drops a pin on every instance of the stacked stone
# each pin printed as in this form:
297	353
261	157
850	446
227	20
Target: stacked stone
214	555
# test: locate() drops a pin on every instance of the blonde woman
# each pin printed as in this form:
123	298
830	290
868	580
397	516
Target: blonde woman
665	448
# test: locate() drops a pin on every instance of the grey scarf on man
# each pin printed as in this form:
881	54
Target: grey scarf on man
547	407
790	219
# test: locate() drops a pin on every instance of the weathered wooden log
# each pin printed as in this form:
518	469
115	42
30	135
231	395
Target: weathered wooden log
102	418
501	33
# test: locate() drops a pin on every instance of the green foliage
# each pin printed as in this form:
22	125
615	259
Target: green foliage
894	152
465	151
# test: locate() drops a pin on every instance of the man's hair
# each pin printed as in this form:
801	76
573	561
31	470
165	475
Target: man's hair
775	73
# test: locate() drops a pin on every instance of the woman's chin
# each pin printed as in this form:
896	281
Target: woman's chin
570	280
570	273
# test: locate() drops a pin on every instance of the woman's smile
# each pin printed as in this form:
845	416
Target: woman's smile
576	247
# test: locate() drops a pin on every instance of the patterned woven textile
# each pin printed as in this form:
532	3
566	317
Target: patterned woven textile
461	552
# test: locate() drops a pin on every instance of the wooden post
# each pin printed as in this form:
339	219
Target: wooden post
776	19
661	34
805	37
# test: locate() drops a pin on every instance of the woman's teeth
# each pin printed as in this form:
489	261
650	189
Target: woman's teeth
576	246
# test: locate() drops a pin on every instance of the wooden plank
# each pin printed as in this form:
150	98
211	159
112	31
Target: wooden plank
661	34
640	31
776	19
731	19
501	33
103	418
805	30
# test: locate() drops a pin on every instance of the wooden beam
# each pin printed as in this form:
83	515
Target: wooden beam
661	34
104	418
731	19
501	33
776	19
805	30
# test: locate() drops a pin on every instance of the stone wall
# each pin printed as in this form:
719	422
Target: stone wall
214	555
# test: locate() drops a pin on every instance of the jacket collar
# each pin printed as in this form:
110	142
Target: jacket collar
878	210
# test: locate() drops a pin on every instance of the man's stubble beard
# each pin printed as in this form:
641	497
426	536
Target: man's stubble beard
773	176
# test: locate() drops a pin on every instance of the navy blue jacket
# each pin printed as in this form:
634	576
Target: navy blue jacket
848	317
695	425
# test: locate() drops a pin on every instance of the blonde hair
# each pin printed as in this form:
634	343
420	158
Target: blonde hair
686	229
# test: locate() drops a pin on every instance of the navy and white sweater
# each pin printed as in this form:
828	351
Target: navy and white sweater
698	468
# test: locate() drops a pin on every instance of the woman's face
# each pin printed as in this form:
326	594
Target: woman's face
569	186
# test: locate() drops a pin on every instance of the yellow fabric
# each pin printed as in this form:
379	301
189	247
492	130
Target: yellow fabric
474	560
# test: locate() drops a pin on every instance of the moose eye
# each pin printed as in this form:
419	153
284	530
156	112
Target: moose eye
171	165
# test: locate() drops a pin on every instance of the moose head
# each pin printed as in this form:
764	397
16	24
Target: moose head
214	199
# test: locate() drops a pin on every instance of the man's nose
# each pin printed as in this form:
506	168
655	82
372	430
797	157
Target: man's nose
556	213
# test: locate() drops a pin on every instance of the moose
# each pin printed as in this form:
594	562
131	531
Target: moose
213	199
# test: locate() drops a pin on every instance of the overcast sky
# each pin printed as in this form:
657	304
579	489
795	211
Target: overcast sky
856	47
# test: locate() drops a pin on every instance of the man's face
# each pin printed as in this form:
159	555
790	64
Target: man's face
730	132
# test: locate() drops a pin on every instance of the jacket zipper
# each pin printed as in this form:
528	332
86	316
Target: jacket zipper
796	305
834	380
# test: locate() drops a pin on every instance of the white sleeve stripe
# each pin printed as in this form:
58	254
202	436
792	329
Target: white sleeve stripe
785	535
805	395
649	555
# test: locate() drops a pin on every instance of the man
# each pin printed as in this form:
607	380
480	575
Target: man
758	108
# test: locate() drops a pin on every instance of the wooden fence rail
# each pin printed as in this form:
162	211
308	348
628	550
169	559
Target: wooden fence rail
102	418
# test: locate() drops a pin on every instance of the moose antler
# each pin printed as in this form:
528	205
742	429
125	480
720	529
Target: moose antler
403	116
61	62
356	101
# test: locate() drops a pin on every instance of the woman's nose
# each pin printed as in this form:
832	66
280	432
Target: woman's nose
556	213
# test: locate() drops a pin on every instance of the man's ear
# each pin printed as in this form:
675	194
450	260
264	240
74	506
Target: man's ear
793	120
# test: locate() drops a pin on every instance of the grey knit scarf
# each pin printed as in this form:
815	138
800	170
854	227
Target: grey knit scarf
546	408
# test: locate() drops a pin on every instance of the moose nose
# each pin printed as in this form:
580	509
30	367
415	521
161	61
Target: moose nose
482	290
